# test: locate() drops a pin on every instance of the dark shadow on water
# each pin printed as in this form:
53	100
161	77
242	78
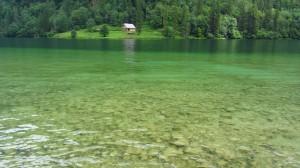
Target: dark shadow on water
162	45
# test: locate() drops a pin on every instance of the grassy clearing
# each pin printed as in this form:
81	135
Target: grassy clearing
114	33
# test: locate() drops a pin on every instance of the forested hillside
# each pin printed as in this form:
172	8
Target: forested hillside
198	18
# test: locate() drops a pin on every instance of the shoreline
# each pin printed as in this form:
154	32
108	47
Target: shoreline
144	38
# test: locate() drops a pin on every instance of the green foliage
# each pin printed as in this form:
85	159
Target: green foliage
60	22
50	34
199	26
185	21
169	32
44	22
156	17
265	34
198	18
139	15
235	34
104	31
90	24
73	34
80	16
228	27
175	17
115	33
214	18
252	22
12	30
210	36
30	29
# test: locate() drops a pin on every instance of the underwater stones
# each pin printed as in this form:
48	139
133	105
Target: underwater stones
126	157
134	158
208	150
117	143
161	117
229	109
278	154
244	149
158	140
261	138
165	136
225	153
144	157
229	117
245	106
134	151
198	160
38	138
120	133
153	152
193	150
180	121
71	142
4	138
234	139
170	152
179	140
20	129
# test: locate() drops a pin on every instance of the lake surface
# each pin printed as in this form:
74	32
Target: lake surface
149	103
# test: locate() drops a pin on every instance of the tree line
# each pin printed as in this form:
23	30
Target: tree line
197	18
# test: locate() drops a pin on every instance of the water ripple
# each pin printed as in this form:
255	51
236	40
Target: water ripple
25	127
3	138
84	132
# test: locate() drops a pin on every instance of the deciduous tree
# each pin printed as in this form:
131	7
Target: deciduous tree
104	31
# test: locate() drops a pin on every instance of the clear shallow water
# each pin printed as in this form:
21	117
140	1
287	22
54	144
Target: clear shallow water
150	103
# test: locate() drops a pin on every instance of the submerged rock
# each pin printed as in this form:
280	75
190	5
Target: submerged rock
193	150
153	152
169	152
234	139
229	109
134	151
228	154
179	140
243	149
71	142
279	154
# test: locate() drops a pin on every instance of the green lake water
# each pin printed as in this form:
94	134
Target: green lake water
149	103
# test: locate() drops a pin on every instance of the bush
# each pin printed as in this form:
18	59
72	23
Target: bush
200	33
234	34
210	36
90	24
50	34
104	31
294	33
77	28
264	34
284	33
12	30
73	34
80	16
60	22
169	32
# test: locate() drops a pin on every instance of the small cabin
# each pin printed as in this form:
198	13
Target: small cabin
129	28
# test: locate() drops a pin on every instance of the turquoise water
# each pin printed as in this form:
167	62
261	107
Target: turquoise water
149	103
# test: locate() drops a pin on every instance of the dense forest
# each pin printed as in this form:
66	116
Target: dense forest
196	18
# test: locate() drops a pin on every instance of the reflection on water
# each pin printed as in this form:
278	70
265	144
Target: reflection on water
211	104
129	49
